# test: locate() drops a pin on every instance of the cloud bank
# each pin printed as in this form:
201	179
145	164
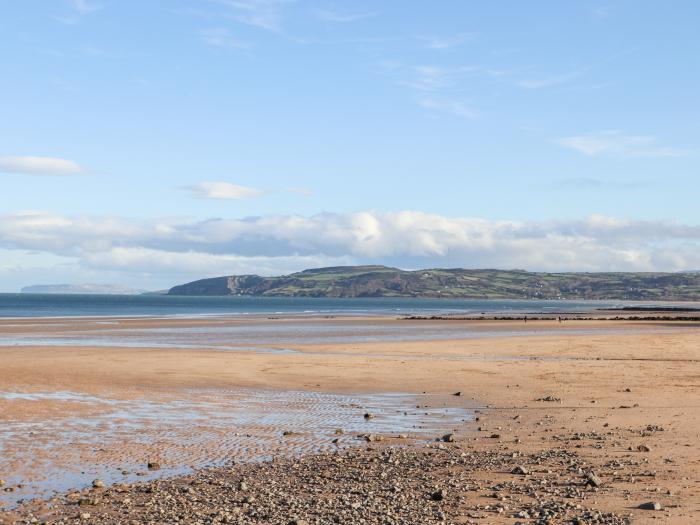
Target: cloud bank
177	250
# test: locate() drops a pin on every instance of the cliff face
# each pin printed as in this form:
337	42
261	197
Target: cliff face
381	281
213	286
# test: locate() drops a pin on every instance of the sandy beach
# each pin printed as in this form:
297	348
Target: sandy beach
620	399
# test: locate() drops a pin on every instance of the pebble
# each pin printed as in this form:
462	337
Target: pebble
391	485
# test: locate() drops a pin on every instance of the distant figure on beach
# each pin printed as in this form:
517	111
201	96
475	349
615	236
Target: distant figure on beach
525	318
559	318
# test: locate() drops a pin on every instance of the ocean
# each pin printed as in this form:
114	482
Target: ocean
58	305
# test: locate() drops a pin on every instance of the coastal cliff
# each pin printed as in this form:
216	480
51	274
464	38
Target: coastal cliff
383	281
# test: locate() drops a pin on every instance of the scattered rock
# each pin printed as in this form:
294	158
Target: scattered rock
369	415
98	483
448	438
643	448
396	484
153	465
457	394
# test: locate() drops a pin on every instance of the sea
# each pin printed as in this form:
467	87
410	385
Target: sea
75	305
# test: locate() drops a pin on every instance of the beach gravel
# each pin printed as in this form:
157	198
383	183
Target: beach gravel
392	485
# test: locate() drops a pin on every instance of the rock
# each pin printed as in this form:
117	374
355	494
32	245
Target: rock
369	415
372	437
495	436
85	515
98	483
289	433
651	505
551	399
643	448
438	495
448	438
593	480
457	394
298	522
519	469
153	465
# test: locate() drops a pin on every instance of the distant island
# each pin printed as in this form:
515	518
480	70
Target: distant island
97	289
383	281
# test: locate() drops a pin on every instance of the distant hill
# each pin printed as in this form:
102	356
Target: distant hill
107	289
382	281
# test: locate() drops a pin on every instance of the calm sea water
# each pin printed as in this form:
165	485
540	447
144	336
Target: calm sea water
56	305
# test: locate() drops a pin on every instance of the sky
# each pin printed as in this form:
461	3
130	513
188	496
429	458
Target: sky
148	144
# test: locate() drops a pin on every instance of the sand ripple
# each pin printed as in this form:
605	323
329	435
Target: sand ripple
53	442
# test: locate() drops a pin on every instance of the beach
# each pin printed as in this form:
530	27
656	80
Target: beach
542	407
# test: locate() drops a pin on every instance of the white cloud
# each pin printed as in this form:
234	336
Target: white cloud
84	7
439	88
202	264
79	8
550	80
453	107
301	191
223	190
39	166
328	15
264	14
617	143
593	183
435	78
275	244
221	37
436	42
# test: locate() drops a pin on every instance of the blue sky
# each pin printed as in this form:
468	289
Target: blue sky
148	143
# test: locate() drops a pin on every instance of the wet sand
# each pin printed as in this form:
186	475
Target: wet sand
613	391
